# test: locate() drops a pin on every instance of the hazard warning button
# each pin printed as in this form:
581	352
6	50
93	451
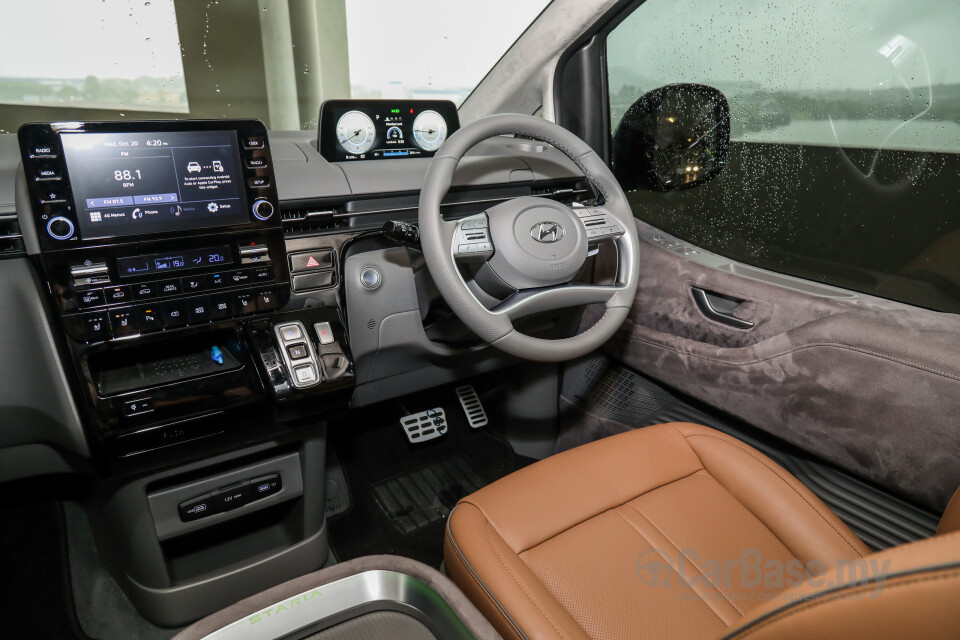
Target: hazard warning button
311	261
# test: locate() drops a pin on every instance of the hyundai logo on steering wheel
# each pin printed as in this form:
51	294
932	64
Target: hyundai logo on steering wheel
547	232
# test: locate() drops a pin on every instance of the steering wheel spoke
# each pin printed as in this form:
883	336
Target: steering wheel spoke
530	301
471	239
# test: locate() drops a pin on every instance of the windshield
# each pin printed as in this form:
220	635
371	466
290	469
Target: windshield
275	60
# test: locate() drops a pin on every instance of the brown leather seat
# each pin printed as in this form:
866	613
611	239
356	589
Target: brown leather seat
680	531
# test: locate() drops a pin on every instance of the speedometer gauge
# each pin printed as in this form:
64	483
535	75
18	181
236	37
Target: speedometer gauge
429	130
355	132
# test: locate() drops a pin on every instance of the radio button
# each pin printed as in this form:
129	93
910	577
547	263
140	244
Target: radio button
117	295
43	152
221	306
149	318
168	288
174	313
246	302
194	284
124	323
144	290
95	327
91	298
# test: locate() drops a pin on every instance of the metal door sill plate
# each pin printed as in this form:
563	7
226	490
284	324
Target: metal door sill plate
324	606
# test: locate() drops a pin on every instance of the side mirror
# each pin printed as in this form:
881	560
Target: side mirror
675	137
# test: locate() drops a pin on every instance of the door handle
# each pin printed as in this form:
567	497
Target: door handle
719	308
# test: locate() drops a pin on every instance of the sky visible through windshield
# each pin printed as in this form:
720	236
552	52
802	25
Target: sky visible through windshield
126	56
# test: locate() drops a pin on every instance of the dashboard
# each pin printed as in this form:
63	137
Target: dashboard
351	130
167	255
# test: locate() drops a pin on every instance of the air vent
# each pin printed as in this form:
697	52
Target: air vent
11	240
297	221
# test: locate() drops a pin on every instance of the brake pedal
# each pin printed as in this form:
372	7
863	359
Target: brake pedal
426	425
472	407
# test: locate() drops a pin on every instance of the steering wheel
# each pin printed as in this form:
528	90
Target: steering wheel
529	248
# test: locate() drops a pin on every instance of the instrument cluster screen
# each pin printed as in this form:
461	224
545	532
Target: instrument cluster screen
353	130
141	183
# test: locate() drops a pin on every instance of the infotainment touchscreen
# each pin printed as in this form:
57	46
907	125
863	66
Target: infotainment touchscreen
138	183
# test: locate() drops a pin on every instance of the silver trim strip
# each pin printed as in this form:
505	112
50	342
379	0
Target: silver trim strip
306	609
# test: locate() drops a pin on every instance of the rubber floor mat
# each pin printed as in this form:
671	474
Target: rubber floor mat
425	494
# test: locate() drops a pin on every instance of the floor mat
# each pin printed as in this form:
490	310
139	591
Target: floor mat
33	557
375	454
420	496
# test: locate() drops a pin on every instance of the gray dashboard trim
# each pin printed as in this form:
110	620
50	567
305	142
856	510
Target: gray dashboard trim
34	390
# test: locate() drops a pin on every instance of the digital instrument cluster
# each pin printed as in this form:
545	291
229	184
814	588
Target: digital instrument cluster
353	130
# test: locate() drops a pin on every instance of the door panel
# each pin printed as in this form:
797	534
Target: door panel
868	384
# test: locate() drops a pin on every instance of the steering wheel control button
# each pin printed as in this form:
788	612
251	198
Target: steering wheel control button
137	407
324	332
262	209
369	278
291	332
426	425
311	261
60	228
305	375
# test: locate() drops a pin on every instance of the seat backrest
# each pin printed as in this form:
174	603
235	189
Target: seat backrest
911	591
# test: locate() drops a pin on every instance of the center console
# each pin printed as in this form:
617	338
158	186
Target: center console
163	253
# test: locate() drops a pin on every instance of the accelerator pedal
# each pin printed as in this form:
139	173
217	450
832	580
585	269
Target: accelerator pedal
472	407
426	425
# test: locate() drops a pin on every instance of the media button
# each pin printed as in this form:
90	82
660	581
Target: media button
198	309
144	290
117	295
149	319
124	323
47	171
169	288
174	313
91	298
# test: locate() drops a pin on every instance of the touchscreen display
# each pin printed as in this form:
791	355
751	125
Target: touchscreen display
135	183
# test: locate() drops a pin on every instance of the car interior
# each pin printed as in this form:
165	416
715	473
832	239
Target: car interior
529	319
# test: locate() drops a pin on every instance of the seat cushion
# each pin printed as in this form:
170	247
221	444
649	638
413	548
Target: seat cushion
671	531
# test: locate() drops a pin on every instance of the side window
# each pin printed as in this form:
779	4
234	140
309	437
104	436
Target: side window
843	165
